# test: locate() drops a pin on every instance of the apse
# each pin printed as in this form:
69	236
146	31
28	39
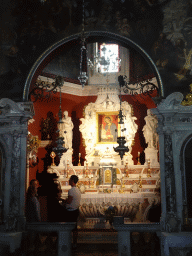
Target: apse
91	125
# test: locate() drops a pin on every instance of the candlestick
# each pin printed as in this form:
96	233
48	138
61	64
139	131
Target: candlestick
148	170
138	162
127	170
92	183
67	171
52	155
140	182
79	164
86	171
122	182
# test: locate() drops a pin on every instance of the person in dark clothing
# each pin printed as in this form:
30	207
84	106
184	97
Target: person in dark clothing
56	211
154	214
32	203
32	212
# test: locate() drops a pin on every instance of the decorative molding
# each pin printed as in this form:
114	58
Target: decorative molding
169	175
15	175
171	102
107	103
88	90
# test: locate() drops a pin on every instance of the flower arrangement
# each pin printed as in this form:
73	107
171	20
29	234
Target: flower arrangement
110	212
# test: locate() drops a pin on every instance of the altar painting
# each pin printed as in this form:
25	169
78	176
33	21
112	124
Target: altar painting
107	124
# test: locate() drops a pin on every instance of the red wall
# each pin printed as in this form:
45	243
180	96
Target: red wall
75	105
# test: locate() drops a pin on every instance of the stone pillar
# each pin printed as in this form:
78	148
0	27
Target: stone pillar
13	140
172	133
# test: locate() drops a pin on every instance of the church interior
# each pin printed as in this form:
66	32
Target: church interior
101	90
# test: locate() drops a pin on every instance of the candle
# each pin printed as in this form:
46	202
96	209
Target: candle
79	154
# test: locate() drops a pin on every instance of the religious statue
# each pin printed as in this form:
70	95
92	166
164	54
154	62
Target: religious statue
66	130
88	128
149	130
130	128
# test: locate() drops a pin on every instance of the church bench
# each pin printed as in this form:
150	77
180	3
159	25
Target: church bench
63	230
125	230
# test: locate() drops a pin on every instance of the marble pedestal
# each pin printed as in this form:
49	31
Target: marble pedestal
151	155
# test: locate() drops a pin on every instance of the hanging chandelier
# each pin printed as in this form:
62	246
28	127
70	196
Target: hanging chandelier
121	148
59	149
83	61
106	58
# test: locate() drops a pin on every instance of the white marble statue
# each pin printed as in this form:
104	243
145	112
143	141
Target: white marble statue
149	130
129	125
66	130
88	128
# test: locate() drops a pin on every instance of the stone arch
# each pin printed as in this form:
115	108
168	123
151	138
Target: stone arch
91	36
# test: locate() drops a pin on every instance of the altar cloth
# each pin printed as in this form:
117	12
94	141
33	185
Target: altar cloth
117	198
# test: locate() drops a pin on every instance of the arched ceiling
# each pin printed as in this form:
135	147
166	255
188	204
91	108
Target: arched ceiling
161	27
66	45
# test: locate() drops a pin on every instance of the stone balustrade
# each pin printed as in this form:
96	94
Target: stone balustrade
124	231
12	239
64	233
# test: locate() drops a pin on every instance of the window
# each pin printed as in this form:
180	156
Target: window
109	58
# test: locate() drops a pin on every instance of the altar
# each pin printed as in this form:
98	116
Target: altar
133	193
106	179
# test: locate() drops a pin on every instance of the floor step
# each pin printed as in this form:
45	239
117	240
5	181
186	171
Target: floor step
97	237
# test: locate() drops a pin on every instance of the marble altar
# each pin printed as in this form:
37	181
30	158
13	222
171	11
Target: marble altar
106	180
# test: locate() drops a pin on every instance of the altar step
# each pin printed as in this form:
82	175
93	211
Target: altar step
95	250
97	237
97	223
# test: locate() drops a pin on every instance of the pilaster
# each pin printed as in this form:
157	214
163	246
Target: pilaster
13	139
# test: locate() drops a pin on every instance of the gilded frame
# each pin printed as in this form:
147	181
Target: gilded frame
108	128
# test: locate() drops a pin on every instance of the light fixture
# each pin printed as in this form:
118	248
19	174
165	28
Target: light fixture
59	149
83	61
121	149
146	86
105	58
43	90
